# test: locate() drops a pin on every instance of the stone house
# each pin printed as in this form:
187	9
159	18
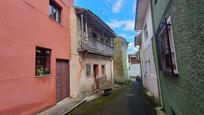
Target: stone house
143	23
91	52
33	68
120	60
178	48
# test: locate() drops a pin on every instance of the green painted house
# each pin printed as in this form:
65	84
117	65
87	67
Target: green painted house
178	45
120	60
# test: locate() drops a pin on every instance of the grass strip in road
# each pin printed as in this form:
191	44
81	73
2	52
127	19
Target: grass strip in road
96	104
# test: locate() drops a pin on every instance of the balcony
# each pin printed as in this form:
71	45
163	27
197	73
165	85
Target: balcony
95	46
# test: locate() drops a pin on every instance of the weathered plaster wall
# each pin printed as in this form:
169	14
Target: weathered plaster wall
25	24
75	63
120	61
87	84
81	85
185	95
149	75
125	62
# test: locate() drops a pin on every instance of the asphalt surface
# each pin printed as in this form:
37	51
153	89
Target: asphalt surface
130	101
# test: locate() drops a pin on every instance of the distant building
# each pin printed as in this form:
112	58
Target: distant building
91	52
120	60
144	24
134	66
35	55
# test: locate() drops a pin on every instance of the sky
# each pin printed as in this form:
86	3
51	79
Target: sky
118	14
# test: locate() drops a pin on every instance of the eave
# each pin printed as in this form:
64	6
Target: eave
141	11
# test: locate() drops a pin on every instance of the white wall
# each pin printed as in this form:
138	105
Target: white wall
134	70
147	60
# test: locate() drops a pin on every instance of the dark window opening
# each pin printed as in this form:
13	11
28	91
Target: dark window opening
94	35
55	11
42	61
88	70
155	1
103	70
145	32
166	49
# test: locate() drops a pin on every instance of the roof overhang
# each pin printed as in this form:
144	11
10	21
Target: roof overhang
95	20
141	10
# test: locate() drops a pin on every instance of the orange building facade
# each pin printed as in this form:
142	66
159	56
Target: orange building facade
35	54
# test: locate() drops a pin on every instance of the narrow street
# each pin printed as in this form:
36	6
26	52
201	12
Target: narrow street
130	100
102	57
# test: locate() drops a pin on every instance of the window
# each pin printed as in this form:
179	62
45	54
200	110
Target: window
42	61
145	32
146	67
88	70
94	35
55	11
149	66
166	49
155	1
103	70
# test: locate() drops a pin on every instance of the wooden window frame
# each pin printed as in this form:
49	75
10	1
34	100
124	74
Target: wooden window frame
166	49
42	61
58	10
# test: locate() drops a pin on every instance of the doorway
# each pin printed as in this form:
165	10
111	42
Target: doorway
62	80
96	73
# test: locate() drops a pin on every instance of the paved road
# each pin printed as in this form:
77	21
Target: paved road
130	101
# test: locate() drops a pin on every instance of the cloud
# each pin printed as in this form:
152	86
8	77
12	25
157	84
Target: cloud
117	6
129	37
131	44
131	48
127	25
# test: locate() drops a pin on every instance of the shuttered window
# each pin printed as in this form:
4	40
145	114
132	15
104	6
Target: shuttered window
166	49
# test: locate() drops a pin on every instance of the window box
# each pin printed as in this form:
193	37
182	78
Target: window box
43	76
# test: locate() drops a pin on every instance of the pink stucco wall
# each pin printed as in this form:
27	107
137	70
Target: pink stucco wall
25	24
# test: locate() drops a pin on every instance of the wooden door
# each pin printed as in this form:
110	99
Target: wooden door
62	80
96	72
